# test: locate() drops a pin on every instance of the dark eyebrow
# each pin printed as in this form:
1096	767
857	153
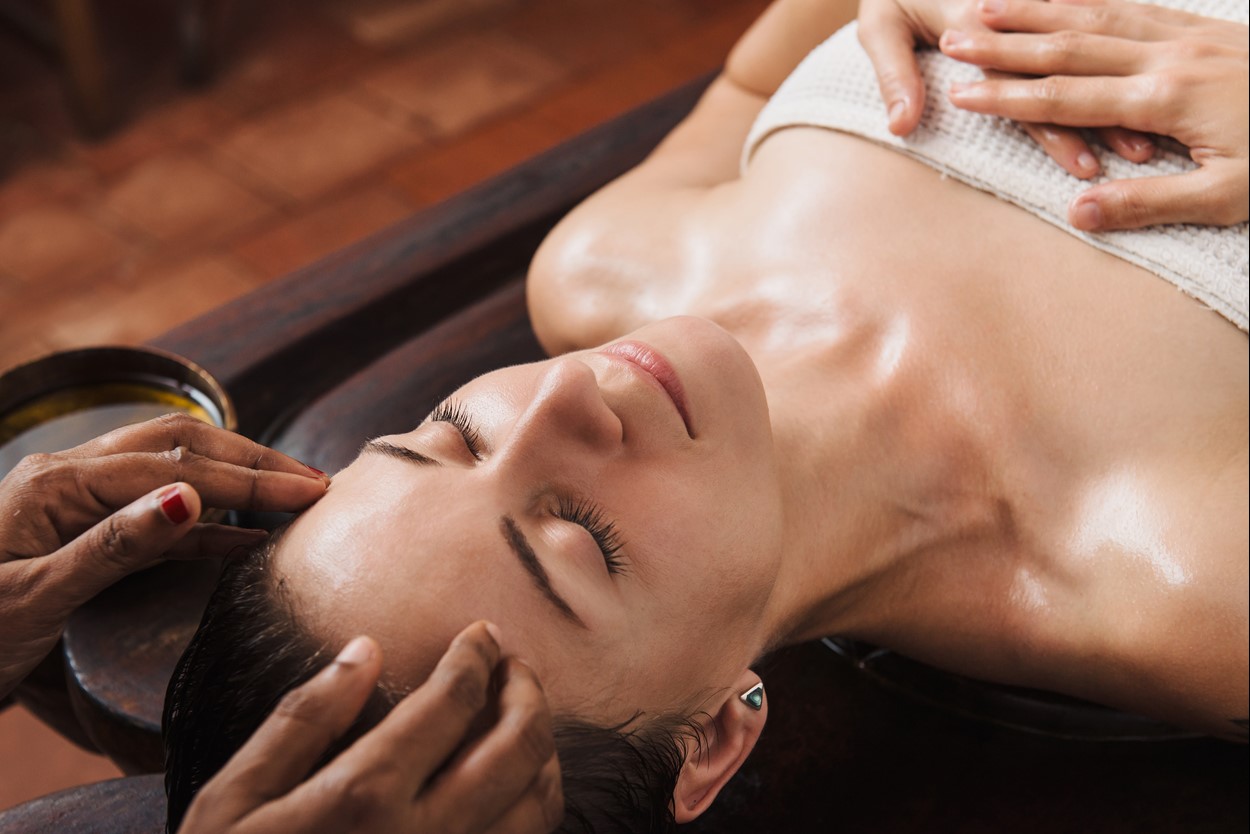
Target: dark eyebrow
381	447
529	560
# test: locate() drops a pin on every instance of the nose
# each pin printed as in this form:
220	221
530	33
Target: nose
567	413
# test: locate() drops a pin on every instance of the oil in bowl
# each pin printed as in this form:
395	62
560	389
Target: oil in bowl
66	399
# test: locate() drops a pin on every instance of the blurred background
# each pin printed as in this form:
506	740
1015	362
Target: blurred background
159	158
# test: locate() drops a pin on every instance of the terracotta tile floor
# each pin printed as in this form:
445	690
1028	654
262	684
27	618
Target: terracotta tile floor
327	120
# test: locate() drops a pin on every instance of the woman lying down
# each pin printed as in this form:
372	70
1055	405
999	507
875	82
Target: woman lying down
813	378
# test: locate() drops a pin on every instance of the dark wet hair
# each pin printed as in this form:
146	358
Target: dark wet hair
251	649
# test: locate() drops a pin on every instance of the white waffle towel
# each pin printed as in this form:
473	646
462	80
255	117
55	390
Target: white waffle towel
835	88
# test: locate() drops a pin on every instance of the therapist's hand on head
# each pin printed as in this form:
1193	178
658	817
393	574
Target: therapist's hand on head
72	523
417	772
891	30
1106	62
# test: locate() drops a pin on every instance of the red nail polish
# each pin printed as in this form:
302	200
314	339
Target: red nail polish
320	474
174	508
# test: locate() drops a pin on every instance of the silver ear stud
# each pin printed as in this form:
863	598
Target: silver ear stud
753	697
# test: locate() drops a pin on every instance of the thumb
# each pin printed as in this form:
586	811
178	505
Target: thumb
134	537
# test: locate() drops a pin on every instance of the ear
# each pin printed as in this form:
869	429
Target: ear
731	732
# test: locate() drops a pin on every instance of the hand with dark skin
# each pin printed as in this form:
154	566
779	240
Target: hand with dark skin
414	772
1129	65
75	522
890	31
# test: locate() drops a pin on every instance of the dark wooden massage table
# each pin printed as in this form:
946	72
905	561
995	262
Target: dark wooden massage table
365	342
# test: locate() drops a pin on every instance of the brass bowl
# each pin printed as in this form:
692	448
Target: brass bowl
64	399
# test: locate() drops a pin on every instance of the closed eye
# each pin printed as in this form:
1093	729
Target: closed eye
451	411
589	516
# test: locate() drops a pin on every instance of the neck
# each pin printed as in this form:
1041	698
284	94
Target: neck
881	476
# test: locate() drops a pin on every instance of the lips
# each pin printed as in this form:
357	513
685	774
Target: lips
654	364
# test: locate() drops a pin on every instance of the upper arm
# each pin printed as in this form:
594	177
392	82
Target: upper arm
703	151
648	223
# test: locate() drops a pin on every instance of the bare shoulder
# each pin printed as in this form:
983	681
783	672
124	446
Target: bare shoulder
1156	598
615	261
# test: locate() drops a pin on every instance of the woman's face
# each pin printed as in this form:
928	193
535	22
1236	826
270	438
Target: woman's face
619	519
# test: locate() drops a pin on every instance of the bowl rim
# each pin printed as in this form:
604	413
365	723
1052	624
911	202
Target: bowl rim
29	380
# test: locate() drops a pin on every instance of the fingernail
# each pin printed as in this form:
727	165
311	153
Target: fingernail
896	110
323	476
1140	145
495	633
953	39
172	505
1086	162
1087	215
355	653
992	6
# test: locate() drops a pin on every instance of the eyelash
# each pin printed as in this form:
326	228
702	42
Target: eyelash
588	515
451	411
585	514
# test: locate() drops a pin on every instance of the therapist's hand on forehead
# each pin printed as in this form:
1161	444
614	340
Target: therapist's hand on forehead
74	522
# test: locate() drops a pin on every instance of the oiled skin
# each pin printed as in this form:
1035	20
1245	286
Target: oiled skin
1063	434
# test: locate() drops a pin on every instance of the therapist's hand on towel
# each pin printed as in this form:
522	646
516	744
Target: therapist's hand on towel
74	522
890	31
415	772
1135	66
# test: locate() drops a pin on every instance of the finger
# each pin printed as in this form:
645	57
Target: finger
1057	53
1199	196
172	431
890	43
1133	146
1112	19
492	773
1066	146
130	539
106	483
279	755
1058	99
210	541
1162	14
439	713
540	810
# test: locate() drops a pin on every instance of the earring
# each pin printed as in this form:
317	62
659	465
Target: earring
753	697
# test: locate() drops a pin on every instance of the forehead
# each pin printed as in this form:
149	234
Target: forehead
366	557
410	556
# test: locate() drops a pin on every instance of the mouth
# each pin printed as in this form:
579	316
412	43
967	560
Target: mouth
653	363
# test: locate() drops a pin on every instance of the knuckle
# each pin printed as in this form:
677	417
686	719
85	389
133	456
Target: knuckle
1166	89
1058	47
177	428
1051	93
35	463
1130	208
176	422
255	481
1097	18
111	543
179	459
362	795
465	687
1189	50
532	736
38	473
302	705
